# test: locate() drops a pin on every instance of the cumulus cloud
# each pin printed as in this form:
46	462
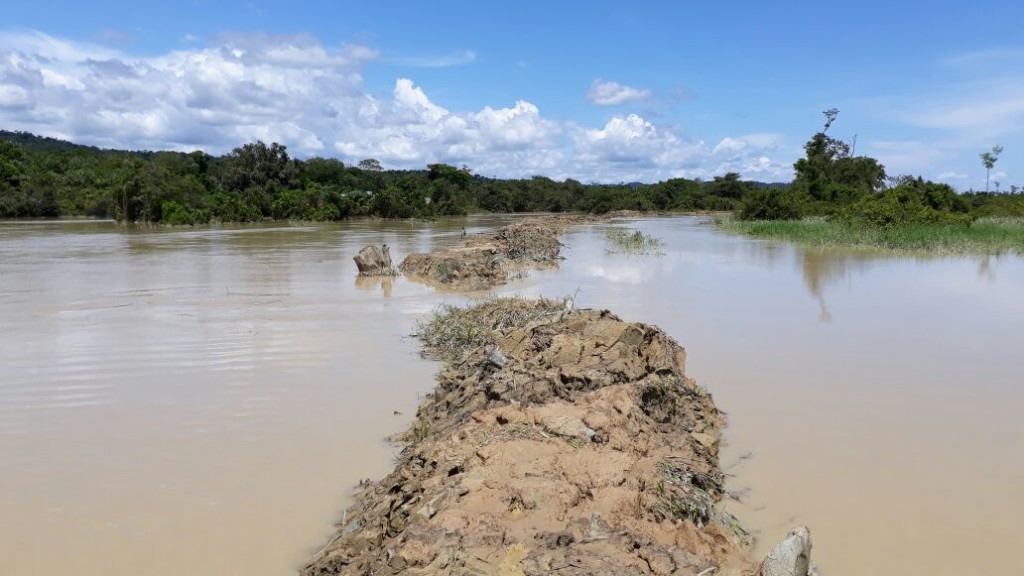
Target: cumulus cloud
296	91
609	93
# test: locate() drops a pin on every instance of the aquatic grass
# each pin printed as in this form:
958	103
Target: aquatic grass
986	236
630	241
451	331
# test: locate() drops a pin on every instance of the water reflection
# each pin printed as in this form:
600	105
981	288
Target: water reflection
372	283
825	267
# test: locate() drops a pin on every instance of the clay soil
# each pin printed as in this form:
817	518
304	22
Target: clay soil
557	441
490	258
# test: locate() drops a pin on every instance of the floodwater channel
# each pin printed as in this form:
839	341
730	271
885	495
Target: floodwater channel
203	401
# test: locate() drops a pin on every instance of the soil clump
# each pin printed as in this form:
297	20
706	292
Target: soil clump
557	441
489	258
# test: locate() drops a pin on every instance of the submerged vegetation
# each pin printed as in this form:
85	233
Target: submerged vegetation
984	236
845	200
629	241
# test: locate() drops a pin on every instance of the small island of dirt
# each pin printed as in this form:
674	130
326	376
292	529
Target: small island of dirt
557	441
489	258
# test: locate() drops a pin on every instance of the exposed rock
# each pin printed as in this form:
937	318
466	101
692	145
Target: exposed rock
374	261
791	557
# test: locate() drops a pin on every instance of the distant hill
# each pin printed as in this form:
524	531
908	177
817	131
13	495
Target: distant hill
30	141
778	185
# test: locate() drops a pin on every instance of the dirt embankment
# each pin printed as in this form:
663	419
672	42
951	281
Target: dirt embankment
557	441
488	259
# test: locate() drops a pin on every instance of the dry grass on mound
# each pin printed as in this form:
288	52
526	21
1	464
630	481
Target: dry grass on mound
451	330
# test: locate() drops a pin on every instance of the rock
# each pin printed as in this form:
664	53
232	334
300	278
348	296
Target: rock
792	557
373	261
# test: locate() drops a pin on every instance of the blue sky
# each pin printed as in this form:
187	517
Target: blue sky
597	91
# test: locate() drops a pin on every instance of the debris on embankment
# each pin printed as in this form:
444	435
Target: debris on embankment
489	258
556	441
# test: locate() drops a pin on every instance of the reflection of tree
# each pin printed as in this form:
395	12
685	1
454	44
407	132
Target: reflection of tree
822	267
768	252
985	269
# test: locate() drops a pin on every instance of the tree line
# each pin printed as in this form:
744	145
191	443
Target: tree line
46	177
833	183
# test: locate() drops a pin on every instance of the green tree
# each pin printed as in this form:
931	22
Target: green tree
988	160
370	165
772	204
11	163
327	171
728	186
912	202
828	174
449	188
258	173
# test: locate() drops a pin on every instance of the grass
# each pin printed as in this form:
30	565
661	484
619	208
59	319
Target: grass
986	236
629	241
451	331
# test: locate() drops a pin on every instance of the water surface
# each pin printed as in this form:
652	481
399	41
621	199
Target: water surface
202	401
181	401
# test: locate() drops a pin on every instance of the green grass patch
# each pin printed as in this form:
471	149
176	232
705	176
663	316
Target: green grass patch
629	241
451	331
993	236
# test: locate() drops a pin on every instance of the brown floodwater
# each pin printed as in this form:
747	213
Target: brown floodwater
202	401
878	399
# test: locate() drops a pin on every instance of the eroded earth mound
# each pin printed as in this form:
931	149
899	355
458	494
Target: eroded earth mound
487	259
560	441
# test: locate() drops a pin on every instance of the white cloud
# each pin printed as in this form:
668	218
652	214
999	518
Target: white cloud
296	91
994	112
938	125
609	93
459	58
951	176
908	156
12	96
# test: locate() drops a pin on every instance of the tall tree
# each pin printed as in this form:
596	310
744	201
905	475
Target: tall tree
829	173
988	160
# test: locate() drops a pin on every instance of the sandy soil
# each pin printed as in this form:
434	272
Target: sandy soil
490	258
575	444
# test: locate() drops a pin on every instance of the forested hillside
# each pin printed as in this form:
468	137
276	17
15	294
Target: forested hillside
45	177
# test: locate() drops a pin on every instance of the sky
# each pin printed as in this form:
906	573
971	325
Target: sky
593	90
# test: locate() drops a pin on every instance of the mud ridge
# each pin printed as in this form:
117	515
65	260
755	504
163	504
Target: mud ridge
564	442
488	259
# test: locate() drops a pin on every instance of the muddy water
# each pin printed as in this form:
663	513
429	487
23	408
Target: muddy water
879	399
196	401
201	401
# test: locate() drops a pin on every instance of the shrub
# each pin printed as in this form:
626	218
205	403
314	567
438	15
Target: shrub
771	204
174	214
915	202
